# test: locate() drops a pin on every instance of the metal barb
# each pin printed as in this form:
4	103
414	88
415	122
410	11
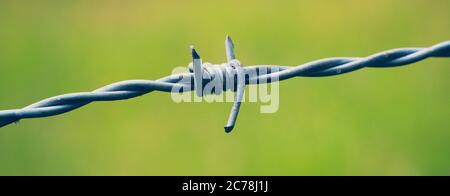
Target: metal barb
229	46
198	72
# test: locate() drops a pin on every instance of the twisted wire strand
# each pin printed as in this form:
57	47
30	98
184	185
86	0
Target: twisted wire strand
264	74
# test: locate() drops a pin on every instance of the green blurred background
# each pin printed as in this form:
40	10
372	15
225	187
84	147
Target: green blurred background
391	121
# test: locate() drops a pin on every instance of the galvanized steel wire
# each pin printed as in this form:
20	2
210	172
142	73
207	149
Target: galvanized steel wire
133	88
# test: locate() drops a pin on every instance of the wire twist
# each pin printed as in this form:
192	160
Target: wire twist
264	74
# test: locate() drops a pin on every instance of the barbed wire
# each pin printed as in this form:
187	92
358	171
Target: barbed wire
232	71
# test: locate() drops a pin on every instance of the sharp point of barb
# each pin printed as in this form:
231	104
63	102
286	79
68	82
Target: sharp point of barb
195	55
229	41
228	129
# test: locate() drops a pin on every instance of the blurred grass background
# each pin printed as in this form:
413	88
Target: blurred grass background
370	122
